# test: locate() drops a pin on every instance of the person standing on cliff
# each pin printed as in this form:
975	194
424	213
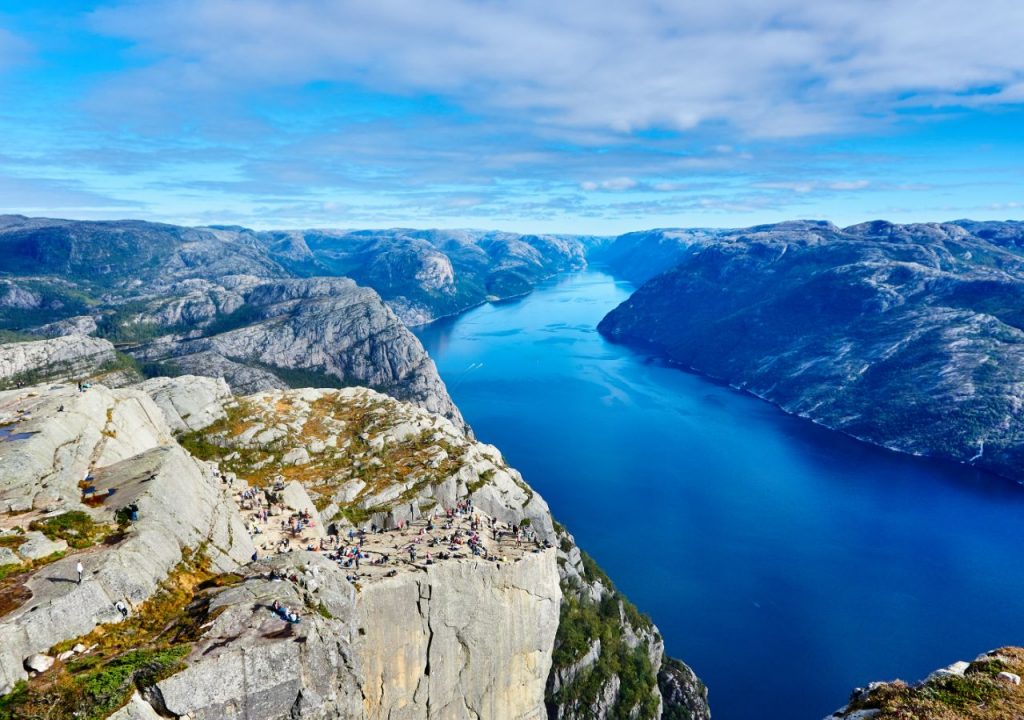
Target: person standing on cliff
79	569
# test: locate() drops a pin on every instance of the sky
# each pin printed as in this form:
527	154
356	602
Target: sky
595	117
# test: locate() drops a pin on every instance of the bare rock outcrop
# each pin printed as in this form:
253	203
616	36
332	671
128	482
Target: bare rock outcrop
988	688
56	358
188	402
435	627
314	331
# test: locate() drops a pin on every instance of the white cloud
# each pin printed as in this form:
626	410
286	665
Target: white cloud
849	185
780	69
807	186
614	185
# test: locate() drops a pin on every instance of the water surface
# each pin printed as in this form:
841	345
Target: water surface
786	563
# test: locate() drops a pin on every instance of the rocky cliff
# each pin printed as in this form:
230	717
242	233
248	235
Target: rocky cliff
315	331
989	688
25	363
166	492
905	336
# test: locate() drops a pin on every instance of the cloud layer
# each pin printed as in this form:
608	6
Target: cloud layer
563	115
781	68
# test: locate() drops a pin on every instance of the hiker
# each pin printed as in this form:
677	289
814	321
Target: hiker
79	569
122	608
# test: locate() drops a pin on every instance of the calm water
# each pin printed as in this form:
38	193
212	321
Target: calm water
786	563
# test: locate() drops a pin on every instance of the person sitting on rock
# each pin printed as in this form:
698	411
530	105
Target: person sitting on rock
122	608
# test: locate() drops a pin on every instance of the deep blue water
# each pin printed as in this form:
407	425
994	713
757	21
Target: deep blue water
786	563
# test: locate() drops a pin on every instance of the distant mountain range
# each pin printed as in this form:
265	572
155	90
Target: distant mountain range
906	336
265	310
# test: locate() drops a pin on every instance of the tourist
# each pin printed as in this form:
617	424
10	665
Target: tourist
80	570
122	608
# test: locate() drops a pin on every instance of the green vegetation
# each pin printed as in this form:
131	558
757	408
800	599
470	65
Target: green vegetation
122	362
15	336
485	477
244	315
122	325
977	695
581	623
413	462
75	527
36	375
48	373
59	300
161	368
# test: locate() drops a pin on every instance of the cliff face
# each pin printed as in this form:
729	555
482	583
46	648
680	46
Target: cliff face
460	640
609	659
639	256
905	336
441	632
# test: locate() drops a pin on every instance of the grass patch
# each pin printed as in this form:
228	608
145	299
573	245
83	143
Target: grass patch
412	463
76	528
977	695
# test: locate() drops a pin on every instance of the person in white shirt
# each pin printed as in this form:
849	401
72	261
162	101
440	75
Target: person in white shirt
79	569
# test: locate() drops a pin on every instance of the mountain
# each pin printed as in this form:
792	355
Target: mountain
427	274
176	613
639	256
266	309
210	301
906	336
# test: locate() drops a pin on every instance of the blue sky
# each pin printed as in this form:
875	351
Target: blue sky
526	115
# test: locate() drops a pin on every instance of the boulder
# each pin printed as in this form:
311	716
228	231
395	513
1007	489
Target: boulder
39	662
136	709
957	668
1009	677
38	546
296	456
7	557
189	402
